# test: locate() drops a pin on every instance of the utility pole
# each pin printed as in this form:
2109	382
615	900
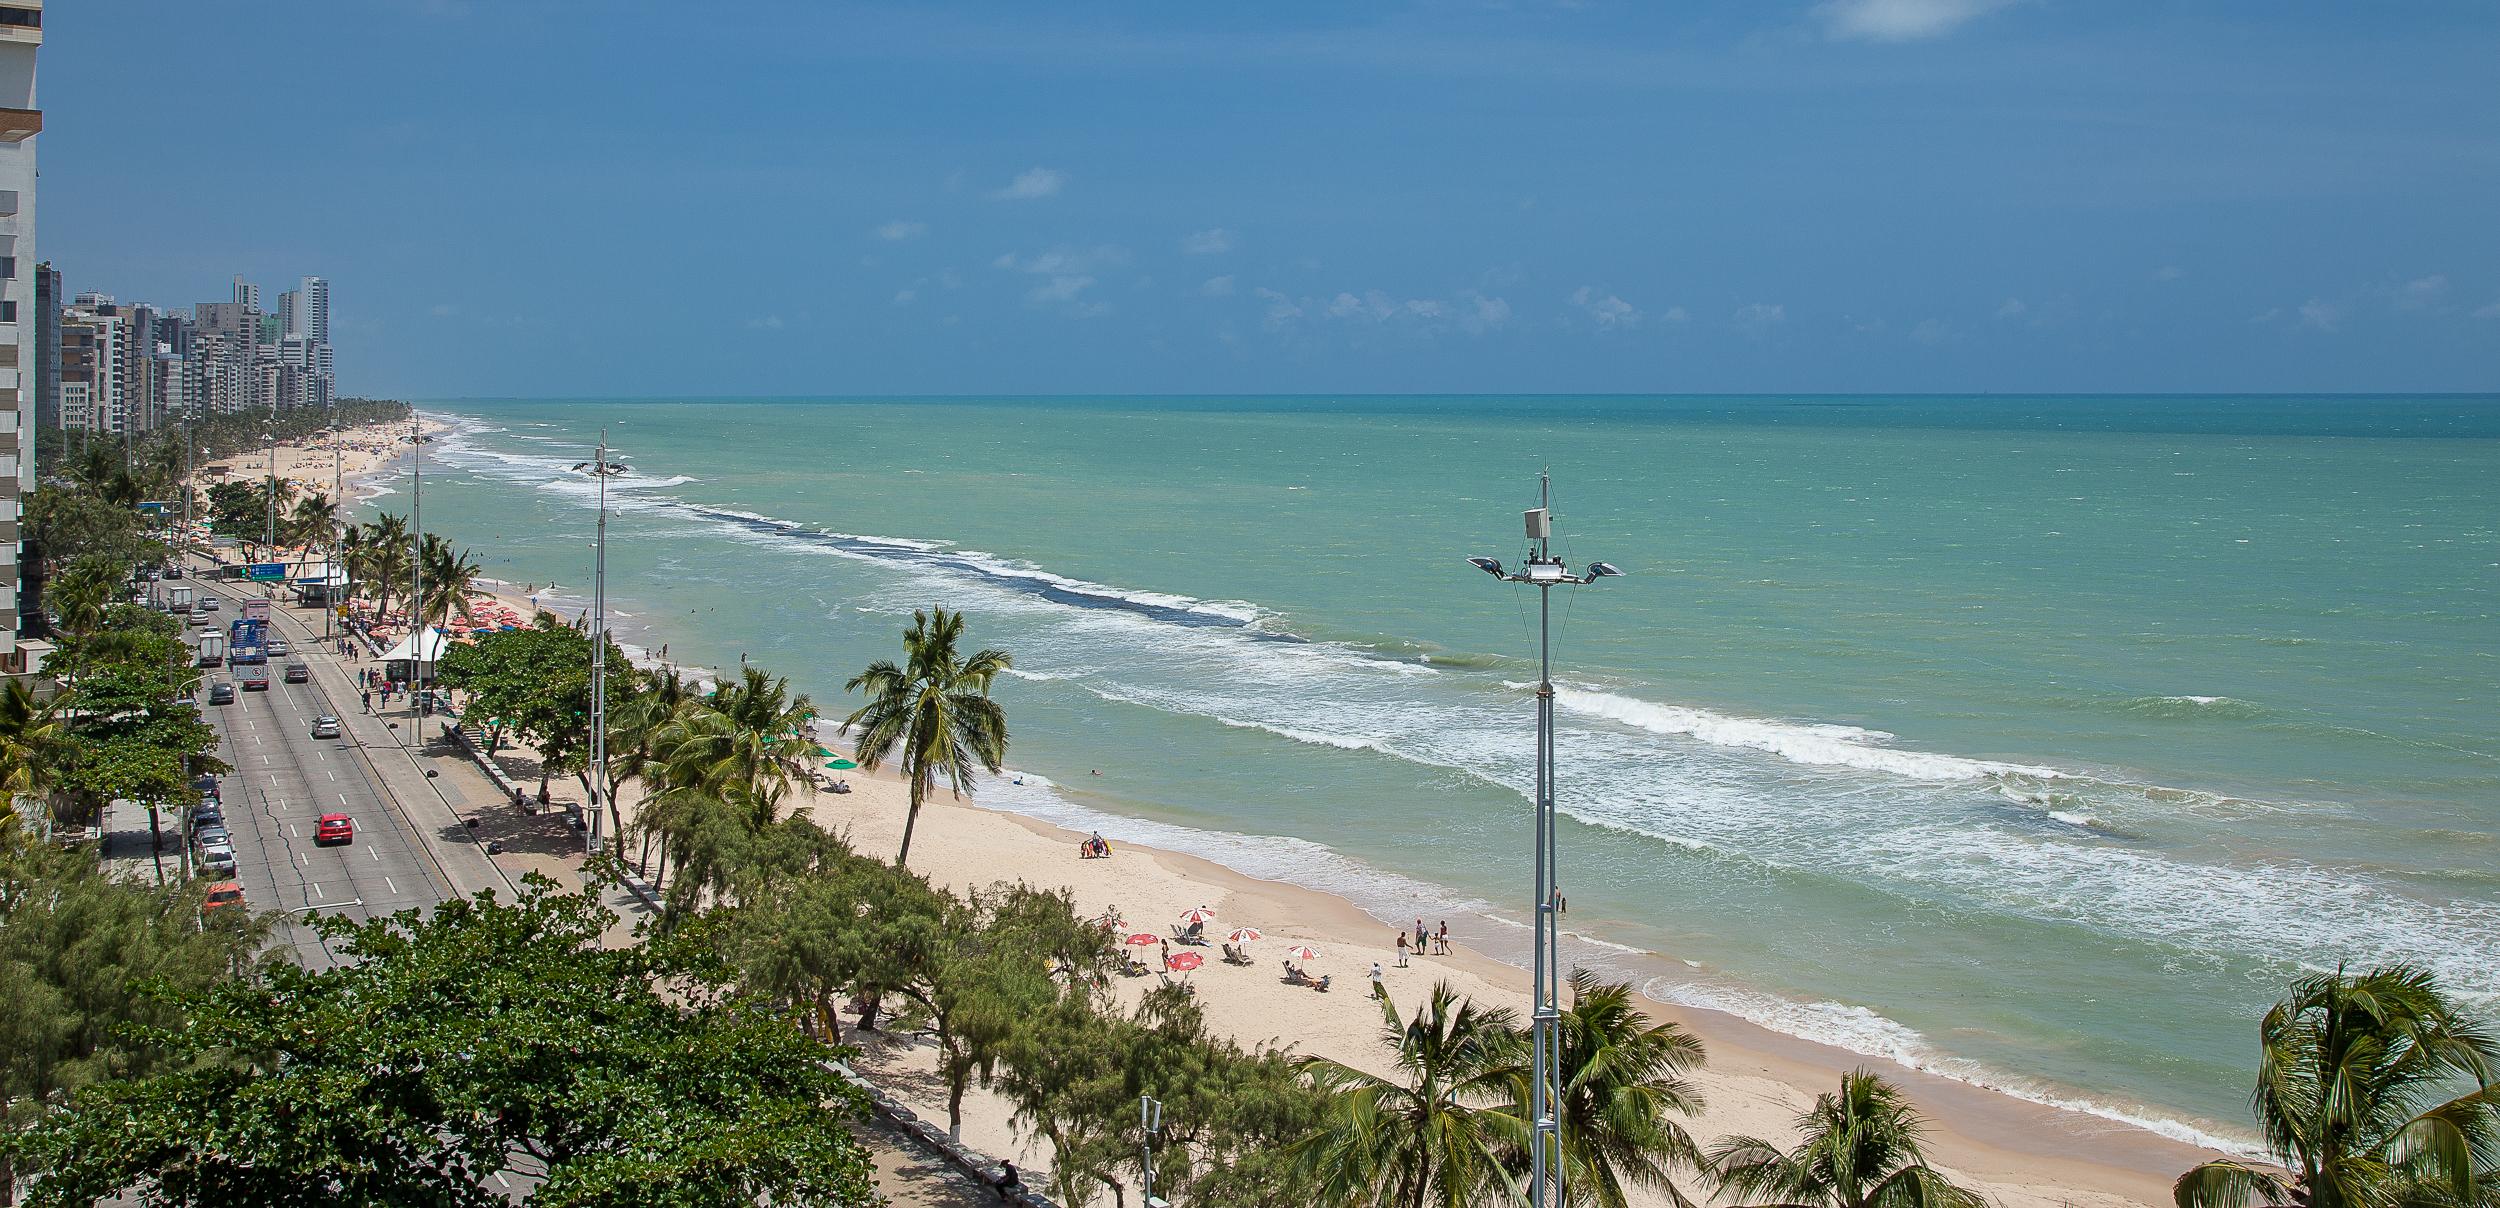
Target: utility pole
333	574
269	438
1544	572
416	566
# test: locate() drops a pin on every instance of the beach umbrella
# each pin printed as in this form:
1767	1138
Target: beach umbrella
841	765
1303	952
1143	940
1198	914
1185	961
825	753
1243	935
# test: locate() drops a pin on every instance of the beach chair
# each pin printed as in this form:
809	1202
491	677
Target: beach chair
1196	933
1235	956
1322	984
1295	977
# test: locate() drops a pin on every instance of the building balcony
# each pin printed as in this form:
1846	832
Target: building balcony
18	125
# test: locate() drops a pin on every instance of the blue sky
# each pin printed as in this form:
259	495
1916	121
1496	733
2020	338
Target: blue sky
515	197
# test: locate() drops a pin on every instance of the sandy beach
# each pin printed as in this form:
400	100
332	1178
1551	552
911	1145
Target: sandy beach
2018	1153
2014	1151
314	466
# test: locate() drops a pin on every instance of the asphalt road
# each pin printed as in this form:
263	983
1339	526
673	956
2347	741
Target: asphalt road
284	780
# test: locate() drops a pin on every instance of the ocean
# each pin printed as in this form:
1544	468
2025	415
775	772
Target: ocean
2037	741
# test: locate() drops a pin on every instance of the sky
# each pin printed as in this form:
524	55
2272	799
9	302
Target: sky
522	198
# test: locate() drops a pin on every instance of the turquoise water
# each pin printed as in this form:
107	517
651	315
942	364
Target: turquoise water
2034	740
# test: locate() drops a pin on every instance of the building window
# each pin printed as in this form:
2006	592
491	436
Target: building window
8	268
8	310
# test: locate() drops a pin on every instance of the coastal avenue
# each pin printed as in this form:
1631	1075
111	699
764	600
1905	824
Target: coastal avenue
284	780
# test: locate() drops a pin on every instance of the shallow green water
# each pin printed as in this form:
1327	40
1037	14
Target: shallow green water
2032	740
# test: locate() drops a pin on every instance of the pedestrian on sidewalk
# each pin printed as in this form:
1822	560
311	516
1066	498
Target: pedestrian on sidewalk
368	699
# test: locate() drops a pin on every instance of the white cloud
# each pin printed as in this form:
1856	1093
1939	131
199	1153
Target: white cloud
1426	308
766	323
1212	241
2269	315
899	230
1900	20
2489	312
444	310
2320	314
1675	314
2423	293
906	297
1065	261
1485	315
1932	332
1033	183
2012	308
1280	309
1059	289
1217	287
1608	310
2169	272
1347	306
1759	316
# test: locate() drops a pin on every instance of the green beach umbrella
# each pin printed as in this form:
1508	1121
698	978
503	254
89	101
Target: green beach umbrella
843	765
822	751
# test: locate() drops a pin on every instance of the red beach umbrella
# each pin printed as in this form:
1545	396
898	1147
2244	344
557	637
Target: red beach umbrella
1185	961
1199	914
1303	952
1143	940
1243	935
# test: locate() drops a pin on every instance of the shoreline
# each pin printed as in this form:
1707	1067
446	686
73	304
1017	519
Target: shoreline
2014	1147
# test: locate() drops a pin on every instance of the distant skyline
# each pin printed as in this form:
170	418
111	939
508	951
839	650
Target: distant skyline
522	198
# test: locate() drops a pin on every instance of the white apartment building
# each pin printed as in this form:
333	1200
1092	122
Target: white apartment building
21	35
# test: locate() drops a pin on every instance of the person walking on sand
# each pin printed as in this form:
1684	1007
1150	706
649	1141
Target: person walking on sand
1442	946
1401	950
1379	989
1420	933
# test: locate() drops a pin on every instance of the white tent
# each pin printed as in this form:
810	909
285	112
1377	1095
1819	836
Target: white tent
407	648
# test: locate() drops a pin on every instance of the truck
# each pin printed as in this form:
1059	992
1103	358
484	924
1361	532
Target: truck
250	642
177	597
212	648
256	610
253	677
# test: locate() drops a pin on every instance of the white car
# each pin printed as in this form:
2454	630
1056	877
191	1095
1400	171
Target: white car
218	857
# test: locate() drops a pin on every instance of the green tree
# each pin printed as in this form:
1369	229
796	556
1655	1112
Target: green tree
447	1045
2358	1091
450	579
1432	1136
75	944
1860	1149
1623	1085
309	524
933	712
535	683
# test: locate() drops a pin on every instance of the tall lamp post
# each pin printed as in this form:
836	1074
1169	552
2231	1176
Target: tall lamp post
416	568
269	439
333	574
1544	571
602	469
1150	1116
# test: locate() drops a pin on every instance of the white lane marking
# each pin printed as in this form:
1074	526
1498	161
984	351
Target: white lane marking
374	852
342	799
307	860
395	893
290	830
316	888
264	759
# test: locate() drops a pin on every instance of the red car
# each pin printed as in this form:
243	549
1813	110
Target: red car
334	828
223	893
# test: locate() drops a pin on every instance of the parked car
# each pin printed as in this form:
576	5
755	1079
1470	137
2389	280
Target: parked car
296	673
221	693
203	836
199	613
209	603
334	828
278	648
325	726
218	857
223	893
173	572
208	813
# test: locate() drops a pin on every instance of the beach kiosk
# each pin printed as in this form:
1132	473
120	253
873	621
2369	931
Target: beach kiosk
412	660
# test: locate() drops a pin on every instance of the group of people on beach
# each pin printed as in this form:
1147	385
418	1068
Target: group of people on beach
1094	847
1425	943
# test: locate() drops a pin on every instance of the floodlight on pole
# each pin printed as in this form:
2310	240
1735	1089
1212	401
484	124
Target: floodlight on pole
602	469
1543	571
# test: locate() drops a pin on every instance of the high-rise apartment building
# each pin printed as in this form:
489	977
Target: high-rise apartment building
21	35
47	348
313	299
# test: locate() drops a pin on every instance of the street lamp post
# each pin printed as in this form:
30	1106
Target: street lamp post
1150	1115
602	469
331	573
416	568
1544	571
270	440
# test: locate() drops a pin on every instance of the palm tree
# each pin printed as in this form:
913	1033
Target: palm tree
386	541
308	525
935	710
1434	1136
1623	1082
83	591
27	730
1860	1149
2354	1090
449	579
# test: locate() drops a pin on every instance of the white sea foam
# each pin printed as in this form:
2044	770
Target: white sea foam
1797	742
